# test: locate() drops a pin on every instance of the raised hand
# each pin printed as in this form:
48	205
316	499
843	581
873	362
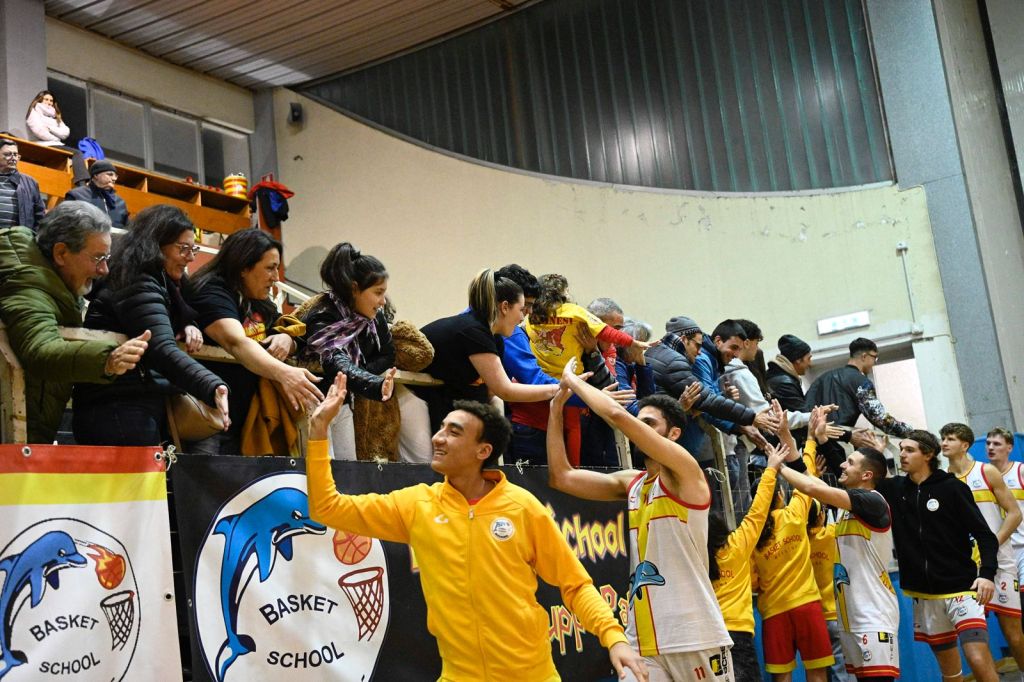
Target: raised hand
388	387
221	400
622	397
690	396
299	386
193	338
587	341
328	408
124	358
777	455
279	345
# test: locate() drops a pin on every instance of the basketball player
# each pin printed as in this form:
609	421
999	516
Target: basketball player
481	543
865	599
998	445
674	618
998	506
935	524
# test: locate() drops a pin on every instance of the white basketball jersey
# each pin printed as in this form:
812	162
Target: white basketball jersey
993	513
1013	481
672	606
865	598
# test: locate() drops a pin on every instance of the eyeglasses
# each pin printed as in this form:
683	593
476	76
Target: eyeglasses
11	155
185	249
97	260
873	356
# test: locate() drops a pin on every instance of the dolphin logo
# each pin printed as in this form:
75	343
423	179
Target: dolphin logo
840	576
36	566
265	529
645	574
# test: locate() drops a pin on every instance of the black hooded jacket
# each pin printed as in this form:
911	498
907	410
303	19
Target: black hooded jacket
933	525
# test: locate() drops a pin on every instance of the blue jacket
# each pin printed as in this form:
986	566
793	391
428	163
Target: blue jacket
707	369
30	203
626	373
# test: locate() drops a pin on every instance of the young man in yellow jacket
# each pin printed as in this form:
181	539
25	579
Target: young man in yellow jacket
674	619
480	542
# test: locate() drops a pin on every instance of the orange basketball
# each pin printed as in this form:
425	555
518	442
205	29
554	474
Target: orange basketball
350	548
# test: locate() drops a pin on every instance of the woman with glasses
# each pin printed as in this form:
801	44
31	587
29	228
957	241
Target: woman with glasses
231	297
143	292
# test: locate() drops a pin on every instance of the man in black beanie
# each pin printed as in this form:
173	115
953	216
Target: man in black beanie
785	370
100	192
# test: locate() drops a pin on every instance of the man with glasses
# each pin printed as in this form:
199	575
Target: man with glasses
852	390
20	201
101	194
43	278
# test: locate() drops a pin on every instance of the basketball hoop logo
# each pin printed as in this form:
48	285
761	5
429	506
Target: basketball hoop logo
69	602
268	598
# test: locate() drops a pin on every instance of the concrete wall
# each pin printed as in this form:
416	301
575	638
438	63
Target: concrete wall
22	61
89	56
982	145
783	261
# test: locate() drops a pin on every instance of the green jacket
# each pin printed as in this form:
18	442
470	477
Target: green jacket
34	302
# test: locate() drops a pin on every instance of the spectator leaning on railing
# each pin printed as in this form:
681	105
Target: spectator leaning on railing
42	280
143	293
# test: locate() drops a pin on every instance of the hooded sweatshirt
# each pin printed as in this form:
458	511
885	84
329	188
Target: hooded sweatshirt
932	527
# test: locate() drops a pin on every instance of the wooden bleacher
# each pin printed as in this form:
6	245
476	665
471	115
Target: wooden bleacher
210	209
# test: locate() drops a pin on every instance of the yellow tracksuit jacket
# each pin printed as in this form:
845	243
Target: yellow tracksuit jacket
478	568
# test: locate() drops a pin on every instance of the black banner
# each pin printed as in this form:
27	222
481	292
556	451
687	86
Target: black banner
272	593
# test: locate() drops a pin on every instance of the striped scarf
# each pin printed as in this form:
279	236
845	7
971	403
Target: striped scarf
344	334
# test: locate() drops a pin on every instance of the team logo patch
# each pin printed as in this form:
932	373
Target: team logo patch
865	654
279	596
1003	598
932	505
69	604
502	529
719	664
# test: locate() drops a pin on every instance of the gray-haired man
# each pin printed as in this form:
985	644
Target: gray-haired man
43	278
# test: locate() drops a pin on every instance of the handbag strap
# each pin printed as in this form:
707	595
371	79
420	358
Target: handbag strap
172	425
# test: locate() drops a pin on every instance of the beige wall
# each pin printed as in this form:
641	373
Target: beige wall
783	261
91	57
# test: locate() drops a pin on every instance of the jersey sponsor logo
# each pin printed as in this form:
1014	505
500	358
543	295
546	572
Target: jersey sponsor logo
932	505
883	637
719	663
502	529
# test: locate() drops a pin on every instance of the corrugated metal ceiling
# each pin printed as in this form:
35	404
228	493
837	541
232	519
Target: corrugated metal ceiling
260	43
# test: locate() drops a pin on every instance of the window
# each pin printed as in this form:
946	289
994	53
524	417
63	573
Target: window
175	145
224	153
119	126
147	136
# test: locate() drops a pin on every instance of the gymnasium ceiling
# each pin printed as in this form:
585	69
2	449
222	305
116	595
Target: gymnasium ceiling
267	43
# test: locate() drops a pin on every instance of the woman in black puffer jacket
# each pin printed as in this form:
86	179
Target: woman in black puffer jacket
143	293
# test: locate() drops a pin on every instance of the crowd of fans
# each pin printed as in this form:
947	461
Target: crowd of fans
568	378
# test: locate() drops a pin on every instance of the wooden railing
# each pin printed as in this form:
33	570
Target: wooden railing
210	209
13	415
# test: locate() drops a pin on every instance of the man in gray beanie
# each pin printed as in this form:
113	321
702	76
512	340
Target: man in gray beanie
100	192
671	362
784	372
